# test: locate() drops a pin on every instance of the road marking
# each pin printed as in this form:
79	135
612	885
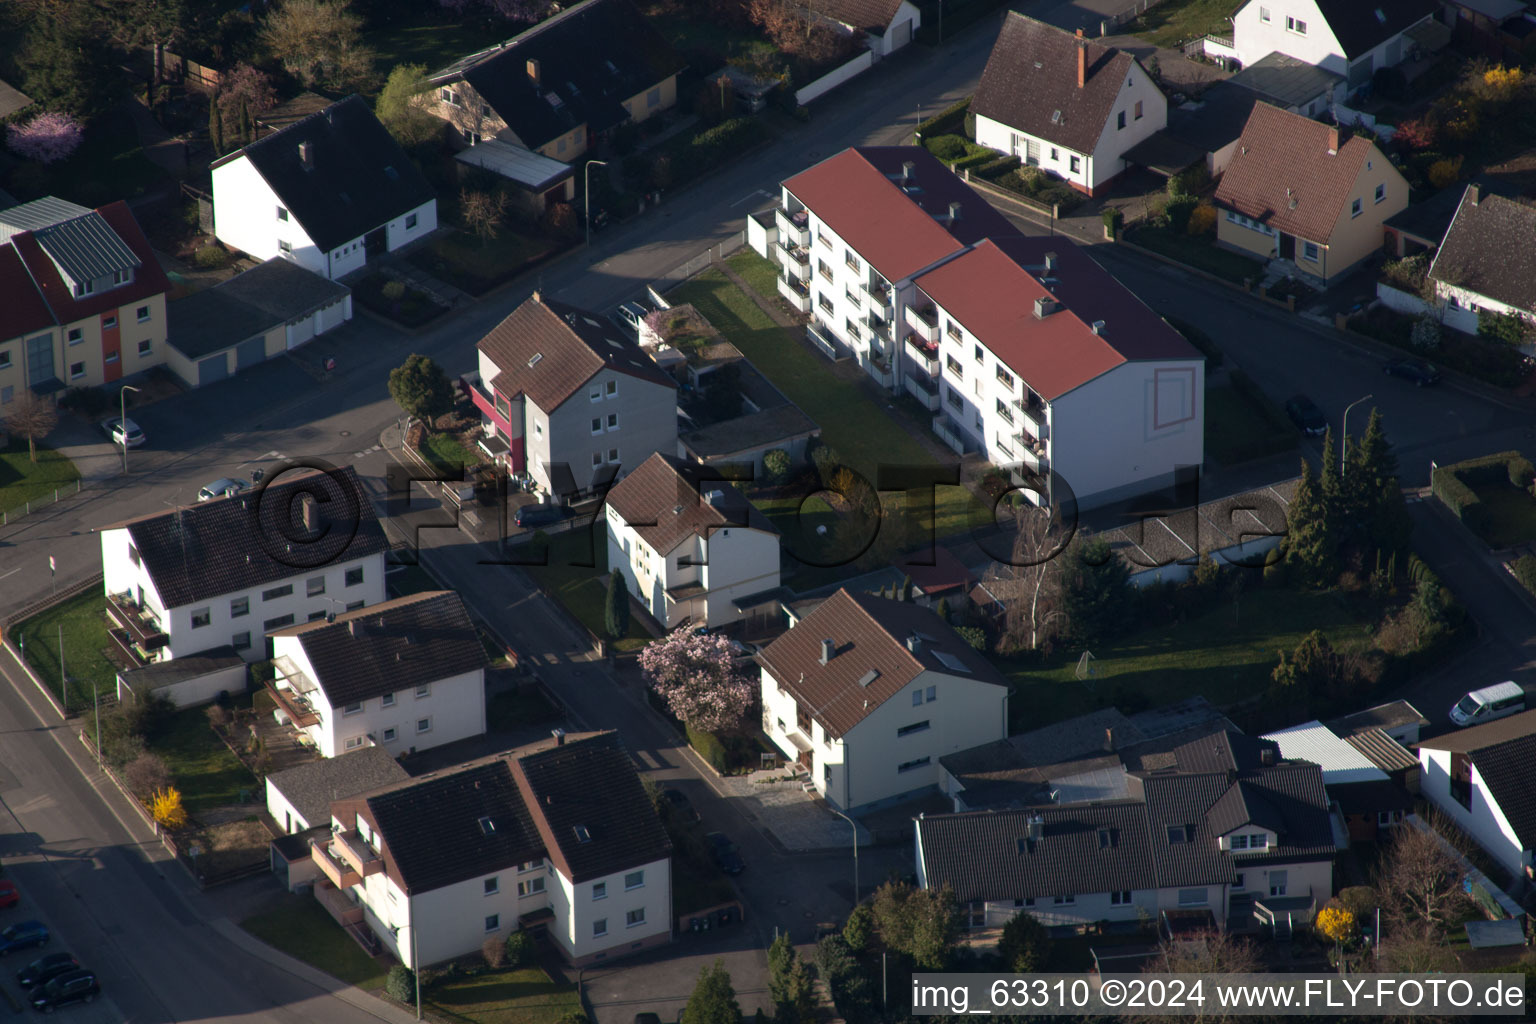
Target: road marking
751	196
12	572
367	451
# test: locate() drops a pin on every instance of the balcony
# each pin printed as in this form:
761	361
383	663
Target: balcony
881	371
1033	412
342	910
135	630
821	336
950	433
922	389
796	294
1032	455
880	328
796	260
295	705
340	875
355	853
878	294
926	353
924	322
794	226
485	400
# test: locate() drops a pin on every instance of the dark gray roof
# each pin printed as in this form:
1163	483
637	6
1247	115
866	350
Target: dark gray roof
79	241
1428	221
1487	249
385	648
747	433
38	214
1360	26
358	179
1505	768
1382	750
1220	751
1285	81
311	787
230	545
1215	120
1390	715
1244	804
1164	153
284	291
210	321
188	666
1189	713
1179	802
1370	797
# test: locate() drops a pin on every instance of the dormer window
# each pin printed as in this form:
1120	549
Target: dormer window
121	277
83	289
487	826
1177	834
583	835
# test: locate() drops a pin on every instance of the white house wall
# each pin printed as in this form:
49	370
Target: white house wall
647	414
576	912
396	233
1085	908
449	921
284	813
1053	156
739	561
245	218
1484	821
1108	155
1256	39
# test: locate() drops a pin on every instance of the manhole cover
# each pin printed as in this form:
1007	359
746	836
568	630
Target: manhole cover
346	433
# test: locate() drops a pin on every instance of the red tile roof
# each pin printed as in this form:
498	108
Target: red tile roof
859	195
662	502
148	279
870	15
1282	174
25	310
992	295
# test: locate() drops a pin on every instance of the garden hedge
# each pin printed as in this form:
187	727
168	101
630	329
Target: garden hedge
1453	484
951	118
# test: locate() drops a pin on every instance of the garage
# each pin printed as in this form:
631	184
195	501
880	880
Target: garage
250	353
212	369
903	34
300	332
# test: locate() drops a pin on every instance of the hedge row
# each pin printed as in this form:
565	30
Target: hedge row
1525	572
950	119
1453	484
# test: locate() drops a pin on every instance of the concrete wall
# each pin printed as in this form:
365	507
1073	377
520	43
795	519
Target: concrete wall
834	78
284	813
202	689
1484	821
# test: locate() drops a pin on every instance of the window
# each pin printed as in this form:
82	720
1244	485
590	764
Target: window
277	592
1074	164
1237	883
492	922
109	322
241	641
952	331
1064	901
1138	110
353	606
613	421
653	98
355	708
75	336
595	394
1004	411
1239	842
599	927
387	701
7	395
424	690
1258	841
286	248
1295	25
76	371
1192	897
825	302
530	886
600	891
980	355
1120	899
5	358
282	214
597	458
1381	192
917	697
492	886
634	918
1309	251
121	277
953	398
389	735
933	694
954	366
634	880
1119	120
278	623
410	222
146	347
613	455
1277	883
1354	208
353	577
1177	834
423	725
141	314
112	357
314	586
1005	378
315	616
561	147
908	730
597	424
1264	15
201	617
352	743
852	260
83	289
912	766
1055	155
448	96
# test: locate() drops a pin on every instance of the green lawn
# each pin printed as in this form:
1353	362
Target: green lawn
705	36
1174	21
859	429
581	588
1511	515
445	452
466	262
205	771
761	275
1224	656
22	480
1196	252
516	996
433	42
1236	430
84	623
301	928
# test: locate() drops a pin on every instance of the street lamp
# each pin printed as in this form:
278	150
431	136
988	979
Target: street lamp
415	959
850	821
122	420
586	178
1345	439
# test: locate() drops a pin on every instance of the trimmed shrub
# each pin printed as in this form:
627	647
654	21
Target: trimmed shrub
973	636
495	952
1525	571
776	465
1455	495
1113	218
211	257
519	949
946	120
1202	219
400	984
947	147
1521	472
709	747
394	291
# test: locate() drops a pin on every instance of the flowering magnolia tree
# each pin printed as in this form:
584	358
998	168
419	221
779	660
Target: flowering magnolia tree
47	138
696	675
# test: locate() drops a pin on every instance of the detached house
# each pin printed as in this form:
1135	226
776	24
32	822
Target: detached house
563	84
557	839
1351	38
568	399
224	572
887	25
691	547
1064	104
867	694
405	675
1484	262
329	192
1306	193
82	298
1481	779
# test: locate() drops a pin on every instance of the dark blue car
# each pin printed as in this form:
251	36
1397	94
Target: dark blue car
26	935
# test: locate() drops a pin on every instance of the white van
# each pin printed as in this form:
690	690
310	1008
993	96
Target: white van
1497	701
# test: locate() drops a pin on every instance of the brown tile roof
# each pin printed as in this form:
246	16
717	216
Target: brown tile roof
25	310
664	491
1487	249
1030	83
1283	176
1466	741
546	350
870	15
396	645
148	279
869	635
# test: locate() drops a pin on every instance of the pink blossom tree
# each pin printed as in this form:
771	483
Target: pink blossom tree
695	673
47	138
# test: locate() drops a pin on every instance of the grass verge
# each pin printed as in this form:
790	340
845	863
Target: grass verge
1174	21
1197	253
301	928
1236	430
22	480
1509	515
576	576
525	995
82	623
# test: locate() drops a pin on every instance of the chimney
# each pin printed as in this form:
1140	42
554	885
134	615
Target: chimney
310	512
354	628
826	651
1333	140
1109	739
954	211
1082	60
908	171
1474	194
1034	828
1050	262
559	735
533	72
1044	307
914	643
1267	756
715	498
307	155
1098	327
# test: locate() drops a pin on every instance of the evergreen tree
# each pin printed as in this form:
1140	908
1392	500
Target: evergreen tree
67	66
789	984
1331	485
245	123
1373	493
1096	590
616	611
1311	545
906	588
714	998
216	126
1025	944
943	608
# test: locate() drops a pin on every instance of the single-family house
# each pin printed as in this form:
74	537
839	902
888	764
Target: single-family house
237	324
568	399
1064	104
691	547
556	839
1346	37
868	693
232	570
886	25
1484	264
1030	352
1219	827
1309	194
560	86
1480	778
406	675
329	192
83	298
1362	797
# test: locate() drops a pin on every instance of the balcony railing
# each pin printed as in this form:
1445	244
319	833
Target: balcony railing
1033	411
482	399
924	322
881	328
295	705
797	262
925	352
139	623
881	371
796	293
879	293
924	390
356	853
794	225
342	910
797	253
341	875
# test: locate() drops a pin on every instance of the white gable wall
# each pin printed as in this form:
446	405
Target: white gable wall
1484	821
1256	38
1053	157
399	232
1108	155
245	218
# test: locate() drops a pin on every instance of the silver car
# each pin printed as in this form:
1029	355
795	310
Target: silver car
223	487
123	431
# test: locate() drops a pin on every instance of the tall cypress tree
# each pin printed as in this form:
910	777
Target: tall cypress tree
216	126
616	611
1311	544
1373	491
1331	484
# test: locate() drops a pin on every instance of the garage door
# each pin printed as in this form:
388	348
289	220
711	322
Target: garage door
301	332
212	369
902	36
250	353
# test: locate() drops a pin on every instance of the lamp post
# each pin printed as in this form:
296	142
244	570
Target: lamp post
1345	439
415	958
122	420
851	822
586	179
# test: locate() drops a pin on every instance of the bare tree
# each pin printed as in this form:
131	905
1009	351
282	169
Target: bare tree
1419	879
1036	574
33	418
482	212
320	43
1211	952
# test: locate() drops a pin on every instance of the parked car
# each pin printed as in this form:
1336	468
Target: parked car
725	854
223	487
9	896
1306	415
77	986
647	1018
44	969
123	431
629	315
1416	370
680	804
540	515
23	935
